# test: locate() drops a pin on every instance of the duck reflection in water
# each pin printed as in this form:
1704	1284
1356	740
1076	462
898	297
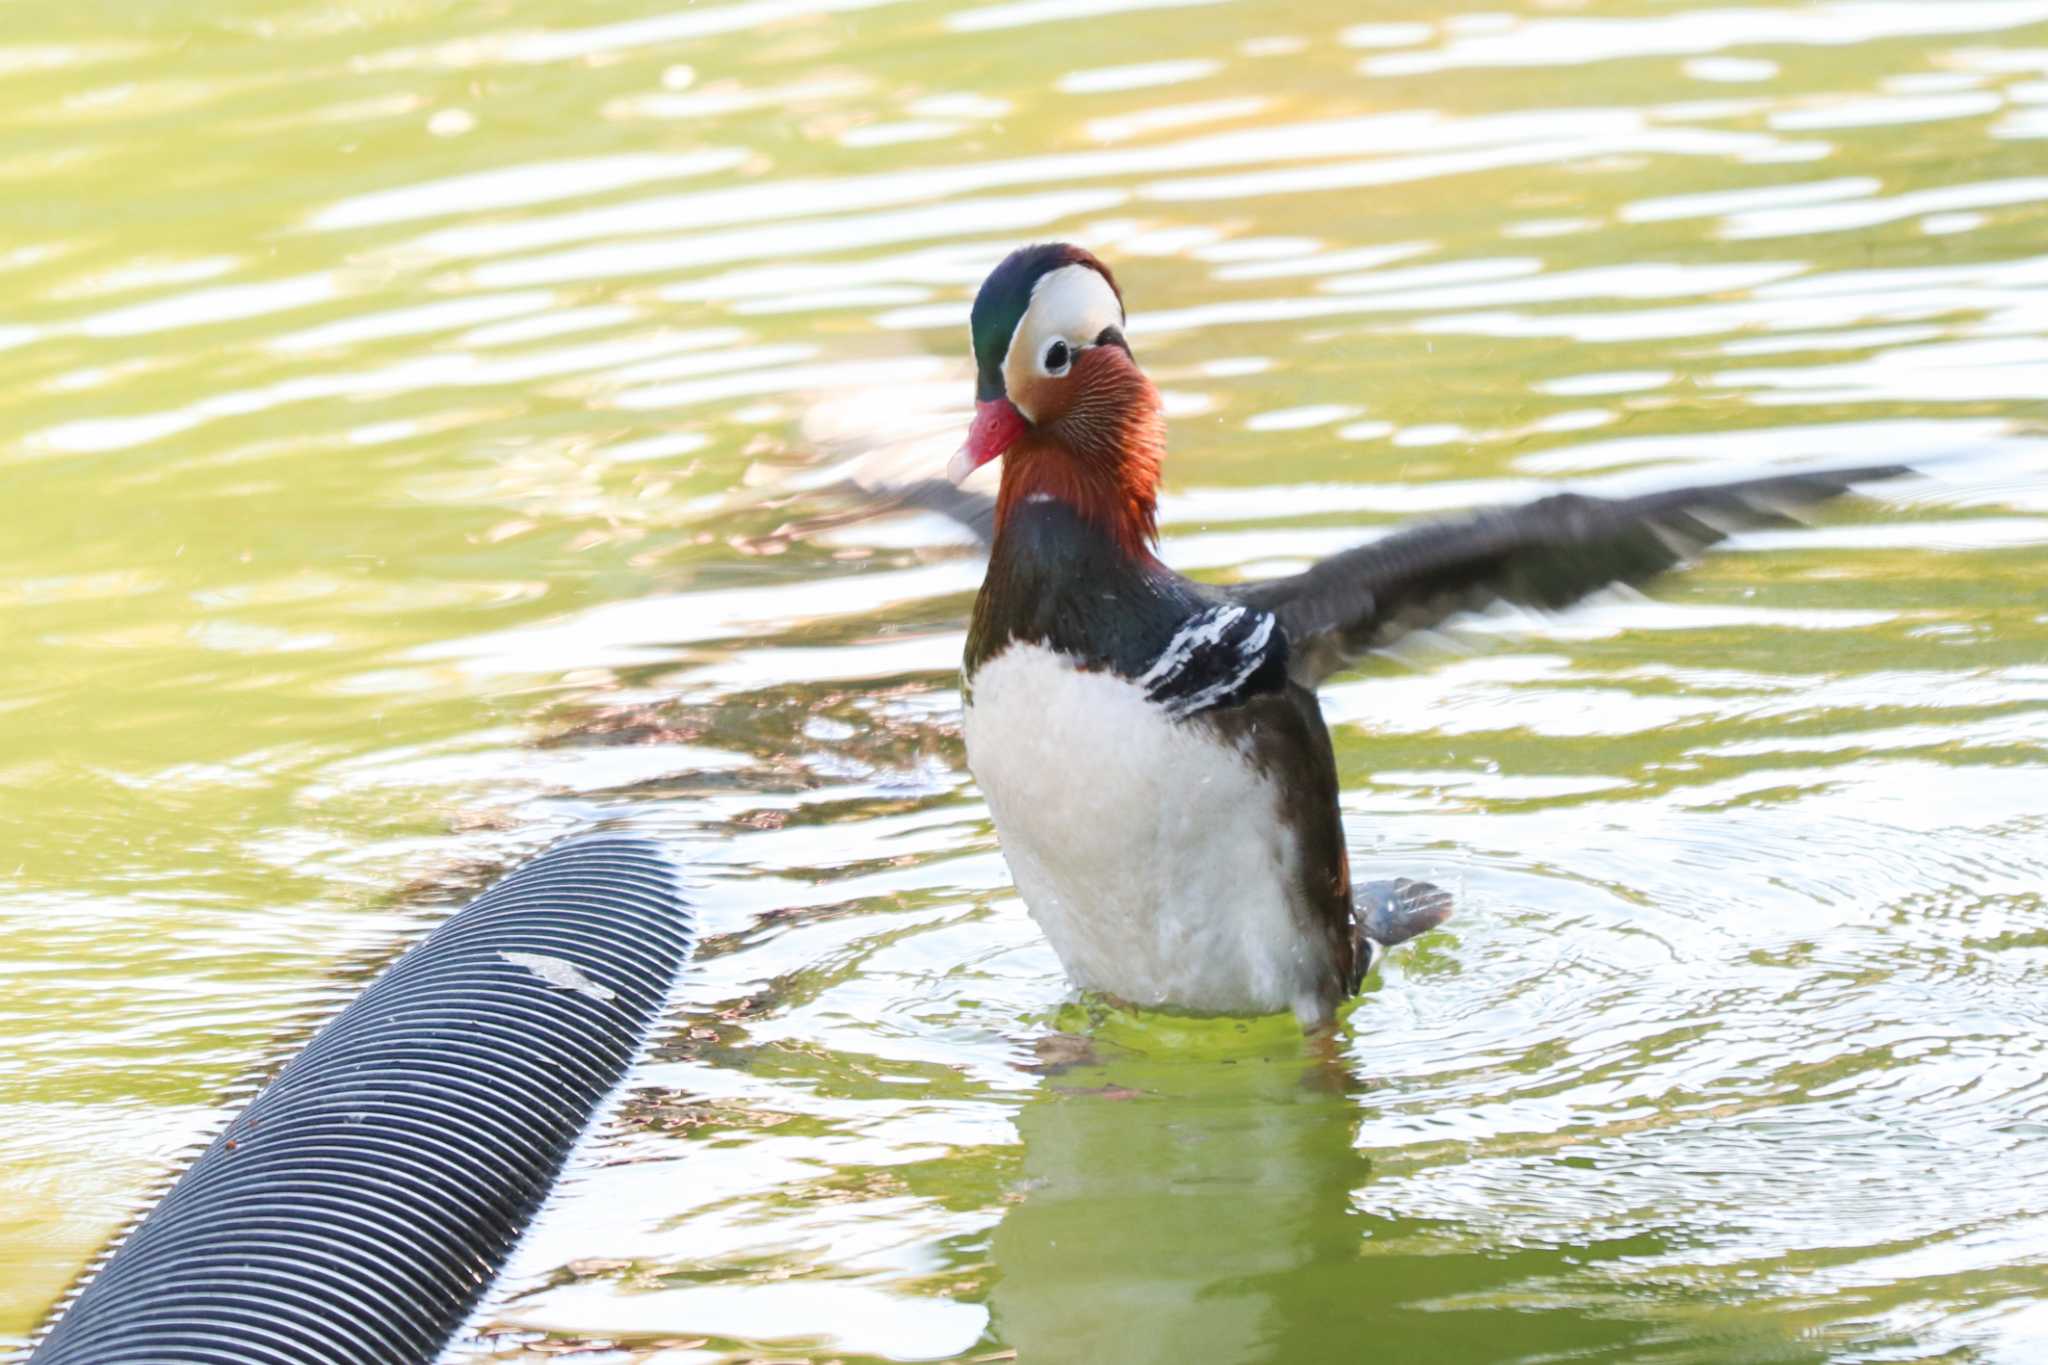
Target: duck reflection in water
1192	1194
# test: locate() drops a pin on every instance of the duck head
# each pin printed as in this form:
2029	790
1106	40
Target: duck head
1058	396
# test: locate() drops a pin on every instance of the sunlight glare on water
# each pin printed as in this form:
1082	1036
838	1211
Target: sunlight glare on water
426	430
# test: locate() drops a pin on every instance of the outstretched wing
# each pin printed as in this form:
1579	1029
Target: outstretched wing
1546	554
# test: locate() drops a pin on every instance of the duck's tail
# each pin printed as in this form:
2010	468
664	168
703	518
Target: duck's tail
1387	913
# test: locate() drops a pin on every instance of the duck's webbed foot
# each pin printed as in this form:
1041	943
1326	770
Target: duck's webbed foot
1393	912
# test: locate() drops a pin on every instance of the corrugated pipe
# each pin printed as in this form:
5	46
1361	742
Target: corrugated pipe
358	1208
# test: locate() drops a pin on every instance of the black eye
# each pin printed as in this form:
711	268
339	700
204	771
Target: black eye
1056	357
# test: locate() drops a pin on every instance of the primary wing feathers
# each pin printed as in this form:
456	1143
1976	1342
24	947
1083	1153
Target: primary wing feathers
1545	554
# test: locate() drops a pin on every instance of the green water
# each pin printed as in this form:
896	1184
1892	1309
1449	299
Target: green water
417	424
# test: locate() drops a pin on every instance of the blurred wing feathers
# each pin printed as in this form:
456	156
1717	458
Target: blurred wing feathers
1546	554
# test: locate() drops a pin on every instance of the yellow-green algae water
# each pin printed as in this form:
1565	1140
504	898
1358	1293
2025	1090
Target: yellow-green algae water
417	424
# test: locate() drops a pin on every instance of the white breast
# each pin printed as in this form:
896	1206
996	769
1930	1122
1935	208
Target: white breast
1151	851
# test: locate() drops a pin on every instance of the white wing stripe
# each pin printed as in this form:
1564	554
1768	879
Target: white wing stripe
1210	628
1206	629
1215	691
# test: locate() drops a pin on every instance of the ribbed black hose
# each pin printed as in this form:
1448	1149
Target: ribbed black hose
354	1213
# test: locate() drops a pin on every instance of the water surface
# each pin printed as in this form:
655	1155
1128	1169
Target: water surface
421	433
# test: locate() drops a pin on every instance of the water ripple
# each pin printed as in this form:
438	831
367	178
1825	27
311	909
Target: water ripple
476	454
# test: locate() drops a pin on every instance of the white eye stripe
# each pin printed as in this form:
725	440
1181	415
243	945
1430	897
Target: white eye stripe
1073	303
